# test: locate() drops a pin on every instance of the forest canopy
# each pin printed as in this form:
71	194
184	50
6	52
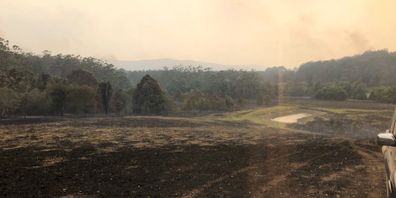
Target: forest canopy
47	84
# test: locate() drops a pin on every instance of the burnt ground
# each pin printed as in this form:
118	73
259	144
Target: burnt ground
182	157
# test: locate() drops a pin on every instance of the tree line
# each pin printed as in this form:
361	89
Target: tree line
367	76
233	87
46	84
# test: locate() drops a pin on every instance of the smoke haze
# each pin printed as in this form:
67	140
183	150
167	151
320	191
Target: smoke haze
230	32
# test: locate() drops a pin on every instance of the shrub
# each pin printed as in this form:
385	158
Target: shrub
80	99
383	94
198	101
296	89
35	102
229	102
331	92
358	91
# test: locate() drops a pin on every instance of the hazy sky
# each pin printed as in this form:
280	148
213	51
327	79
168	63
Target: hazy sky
260	32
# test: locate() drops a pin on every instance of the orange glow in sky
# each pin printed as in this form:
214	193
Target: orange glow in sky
235	32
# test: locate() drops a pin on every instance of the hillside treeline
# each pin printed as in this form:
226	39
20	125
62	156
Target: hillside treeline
49	84
238	85
366	76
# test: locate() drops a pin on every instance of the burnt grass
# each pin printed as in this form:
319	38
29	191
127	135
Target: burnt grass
72	158
177	170
356	125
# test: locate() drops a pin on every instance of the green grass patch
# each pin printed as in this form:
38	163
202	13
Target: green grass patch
260	116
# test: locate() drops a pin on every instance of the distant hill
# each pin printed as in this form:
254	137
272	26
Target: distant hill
372	67
156	64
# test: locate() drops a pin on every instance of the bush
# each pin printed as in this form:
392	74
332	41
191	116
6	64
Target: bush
331	92
194	101
35	102
296	89
198	101
359	91
383	94
263	99
229	102
80	99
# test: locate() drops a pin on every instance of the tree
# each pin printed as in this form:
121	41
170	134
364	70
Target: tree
42	81
20	81
296	89
35	102
229	102
149	98
80	99
331	92
119	101
383	94
265	93
259	99
359	91
58	94
9	101
105	92
82	77
195	100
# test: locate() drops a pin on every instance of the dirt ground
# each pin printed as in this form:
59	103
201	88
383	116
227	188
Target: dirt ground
332	154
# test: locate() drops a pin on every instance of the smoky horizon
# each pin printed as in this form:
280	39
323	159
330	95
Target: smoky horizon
249	35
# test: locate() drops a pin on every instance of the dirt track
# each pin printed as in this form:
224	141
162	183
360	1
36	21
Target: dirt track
182	157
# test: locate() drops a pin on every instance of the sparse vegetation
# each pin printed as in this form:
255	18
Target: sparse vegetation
134	155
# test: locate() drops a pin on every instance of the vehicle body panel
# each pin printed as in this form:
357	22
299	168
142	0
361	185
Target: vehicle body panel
390	161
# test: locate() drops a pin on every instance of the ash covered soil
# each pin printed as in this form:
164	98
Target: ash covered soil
207	156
